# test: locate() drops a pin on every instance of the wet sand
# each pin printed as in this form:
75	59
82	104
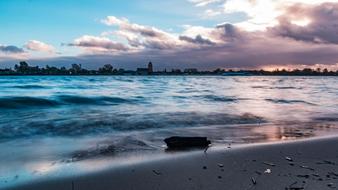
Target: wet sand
307	164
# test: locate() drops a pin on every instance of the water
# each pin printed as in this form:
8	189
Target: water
52	124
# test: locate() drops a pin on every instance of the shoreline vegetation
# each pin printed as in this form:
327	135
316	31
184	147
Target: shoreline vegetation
305	164
76	70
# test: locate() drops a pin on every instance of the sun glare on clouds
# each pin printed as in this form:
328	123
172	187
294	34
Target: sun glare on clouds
261	13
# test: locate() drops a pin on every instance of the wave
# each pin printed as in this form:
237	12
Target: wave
283	101
277	87
286	87
105	123
33	102
30	87
102	100
219	98
24	102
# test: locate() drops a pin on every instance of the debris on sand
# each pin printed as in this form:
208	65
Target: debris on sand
220	165
289	159
187	142
304	176
269	164
331	185
326	162
268	171
253	180
333	173
292	187
307	167
156	172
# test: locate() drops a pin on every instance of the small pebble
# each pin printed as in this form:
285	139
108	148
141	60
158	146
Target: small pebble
267	171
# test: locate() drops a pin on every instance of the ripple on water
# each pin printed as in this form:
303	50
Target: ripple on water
283	101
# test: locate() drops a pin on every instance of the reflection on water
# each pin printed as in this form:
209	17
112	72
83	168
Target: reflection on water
50	126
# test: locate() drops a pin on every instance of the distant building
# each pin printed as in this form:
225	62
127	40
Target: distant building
191	71
150	67
145	71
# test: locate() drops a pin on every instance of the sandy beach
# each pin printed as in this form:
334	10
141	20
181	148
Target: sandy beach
306	164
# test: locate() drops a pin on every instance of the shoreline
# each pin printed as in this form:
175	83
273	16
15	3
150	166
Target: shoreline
312	163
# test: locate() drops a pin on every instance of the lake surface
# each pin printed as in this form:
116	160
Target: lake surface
49	124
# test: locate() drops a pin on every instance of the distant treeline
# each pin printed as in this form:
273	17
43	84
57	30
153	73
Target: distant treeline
23	68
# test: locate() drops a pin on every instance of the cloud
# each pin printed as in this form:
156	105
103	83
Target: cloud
35	45
11	49
209	13
226	45
94	43
262	52
301	34
125	25
197	40
202	3
310	23
140	36
261	14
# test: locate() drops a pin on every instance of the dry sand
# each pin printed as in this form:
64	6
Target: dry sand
310	164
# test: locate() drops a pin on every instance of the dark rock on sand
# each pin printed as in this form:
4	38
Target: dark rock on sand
187	142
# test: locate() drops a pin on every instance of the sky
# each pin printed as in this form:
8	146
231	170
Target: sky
203	34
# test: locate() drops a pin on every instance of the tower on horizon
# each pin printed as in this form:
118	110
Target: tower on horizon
150	67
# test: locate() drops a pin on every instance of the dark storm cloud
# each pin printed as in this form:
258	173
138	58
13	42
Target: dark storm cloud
11	49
